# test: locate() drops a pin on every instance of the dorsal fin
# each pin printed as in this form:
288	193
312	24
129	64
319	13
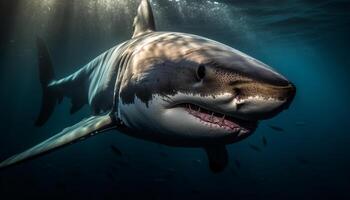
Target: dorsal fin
144	21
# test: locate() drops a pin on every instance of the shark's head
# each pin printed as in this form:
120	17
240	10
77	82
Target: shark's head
189	90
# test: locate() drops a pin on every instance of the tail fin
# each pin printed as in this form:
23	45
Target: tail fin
46	75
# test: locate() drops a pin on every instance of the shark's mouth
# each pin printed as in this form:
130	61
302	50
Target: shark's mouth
216	119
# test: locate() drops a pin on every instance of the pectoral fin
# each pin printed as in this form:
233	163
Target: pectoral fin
217	157
77	132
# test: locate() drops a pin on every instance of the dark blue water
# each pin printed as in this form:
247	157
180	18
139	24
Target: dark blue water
307	41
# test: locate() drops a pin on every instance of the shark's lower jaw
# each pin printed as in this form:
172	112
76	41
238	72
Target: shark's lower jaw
214	119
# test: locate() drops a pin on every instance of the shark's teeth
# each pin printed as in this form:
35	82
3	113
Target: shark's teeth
211	118
223	120
216	119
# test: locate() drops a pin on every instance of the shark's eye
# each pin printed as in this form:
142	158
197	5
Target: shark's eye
200	72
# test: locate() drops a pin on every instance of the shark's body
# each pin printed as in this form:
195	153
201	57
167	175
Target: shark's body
172	88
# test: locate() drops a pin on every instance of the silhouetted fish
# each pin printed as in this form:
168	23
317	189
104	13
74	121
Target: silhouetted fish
238	164
110	176
48	166
255	148
114	168
195	191
163	154
160	180
300	123
116	151
60	185
198	161
302	160
168	175
276	128
233	172
74	173
122	163
264	141
185	180
170	170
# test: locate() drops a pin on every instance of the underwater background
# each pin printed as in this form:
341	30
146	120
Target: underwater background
303	153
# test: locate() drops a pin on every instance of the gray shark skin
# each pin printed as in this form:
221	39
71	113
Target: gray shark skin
172	88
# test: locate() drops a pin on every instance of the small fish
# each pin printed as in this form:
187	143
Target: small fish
116	151
238	164
198	161
170	170
185	180
195	191
61	186
160	180
300	123
233	172
48	167
122	163
163	154
264	141
276	128
303	161
110	176
168	176
74	173
114	168
255	148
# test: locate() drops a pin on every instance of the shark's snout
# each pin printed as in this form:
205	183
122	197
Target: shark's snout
290	92
259	92
257	100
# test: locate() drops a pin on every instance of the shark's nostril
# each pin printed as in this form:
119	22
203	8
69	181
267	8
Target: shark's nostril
236	92
280	81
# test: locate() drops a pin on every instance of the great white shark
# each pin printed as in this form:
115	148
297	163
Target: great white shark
172	88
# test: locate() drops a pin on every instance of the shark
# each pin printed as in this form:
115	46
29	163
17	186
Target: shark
172	88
